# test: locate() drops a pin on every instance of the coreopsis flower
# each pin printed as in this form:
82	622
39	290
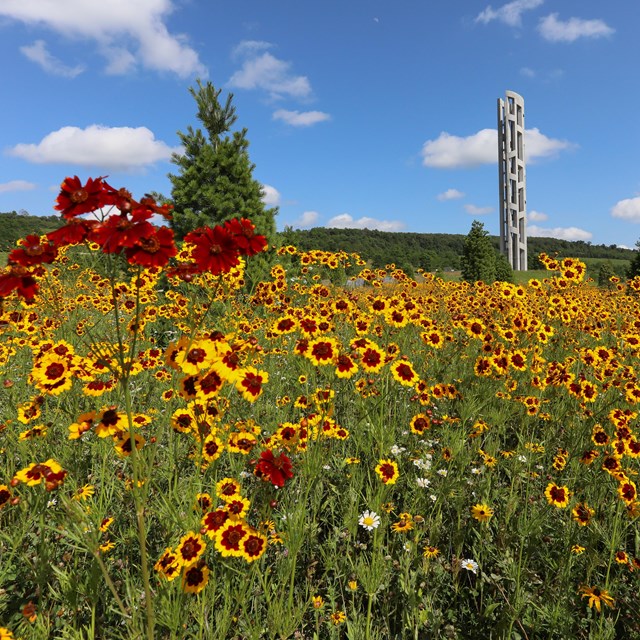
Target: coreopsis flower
338	617
124	445
404	373
214	250
387	471
213	521
429	552
322	351
33	251
195	578
5	495
372	359
74	232
317	602
15	277
119	232
557	496
482	512
582	513
191	547
369	520
420	423
153	251
229	537
274	470
75	198
597	597
404	524
168	565
50	471
248	242
249	383
253	545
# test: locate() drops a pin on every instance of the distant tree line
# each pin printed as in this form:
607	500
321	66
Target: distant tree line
15	225
434	251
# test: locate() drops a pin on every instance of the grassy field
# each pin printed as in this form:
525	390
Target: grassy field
405	461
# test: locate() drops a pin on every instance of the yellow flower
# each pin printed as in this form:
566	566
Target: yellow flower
597	597
482	512
317	602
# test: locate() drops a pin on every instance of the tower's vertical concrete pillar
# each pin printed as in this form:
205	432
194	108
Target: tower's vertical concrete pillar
513	183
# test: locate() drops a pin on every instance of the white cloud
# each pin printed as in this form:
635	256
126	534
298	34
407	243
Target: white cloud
250	47
561	233
37	52
537	145
450	194
455	152
114	148
628	209
267	72
301	119
537	216
346	221
270	195
307	219
16	185
509	13
136	31
555	30
477	211
527	72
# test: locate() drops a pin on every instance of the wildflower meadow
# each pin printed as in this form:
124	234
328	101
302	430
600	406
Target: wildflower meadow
329	451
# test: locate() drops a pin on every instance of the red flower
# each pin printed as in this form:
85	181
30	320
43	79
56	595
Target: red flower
75	199
248	243
33	252
274	470
18	278
154	251
73	233
119	232
215	250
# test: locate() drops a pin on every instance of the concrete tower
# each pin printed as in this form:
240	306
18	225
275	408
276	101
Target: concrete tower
513	185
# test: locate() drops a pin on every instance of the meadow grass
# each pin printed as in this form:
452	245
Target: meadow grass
417	460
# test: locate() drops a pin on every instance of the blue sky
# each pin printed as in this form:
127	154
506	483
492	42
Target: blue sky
360	113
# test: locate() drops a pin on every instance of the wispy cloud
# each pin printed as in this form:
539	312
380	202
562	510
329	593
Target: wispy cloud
127	34
346	221
510	13
471	209
450	194
307	219
561	233
456	152
270	195
262	70
38	53
628	209
113	148
301	118
16	185
555	30
537	216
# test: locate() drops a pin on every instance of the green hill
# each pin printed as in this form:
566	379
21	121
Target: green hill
14	226
431	251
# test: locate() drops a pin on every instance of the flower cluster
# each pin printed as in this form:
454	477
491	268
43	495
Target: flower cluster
128	231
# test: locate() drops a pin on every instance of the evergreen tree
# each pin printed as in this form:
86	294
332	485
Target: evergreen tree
605	273
504	271
215	181
478	255
634	267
